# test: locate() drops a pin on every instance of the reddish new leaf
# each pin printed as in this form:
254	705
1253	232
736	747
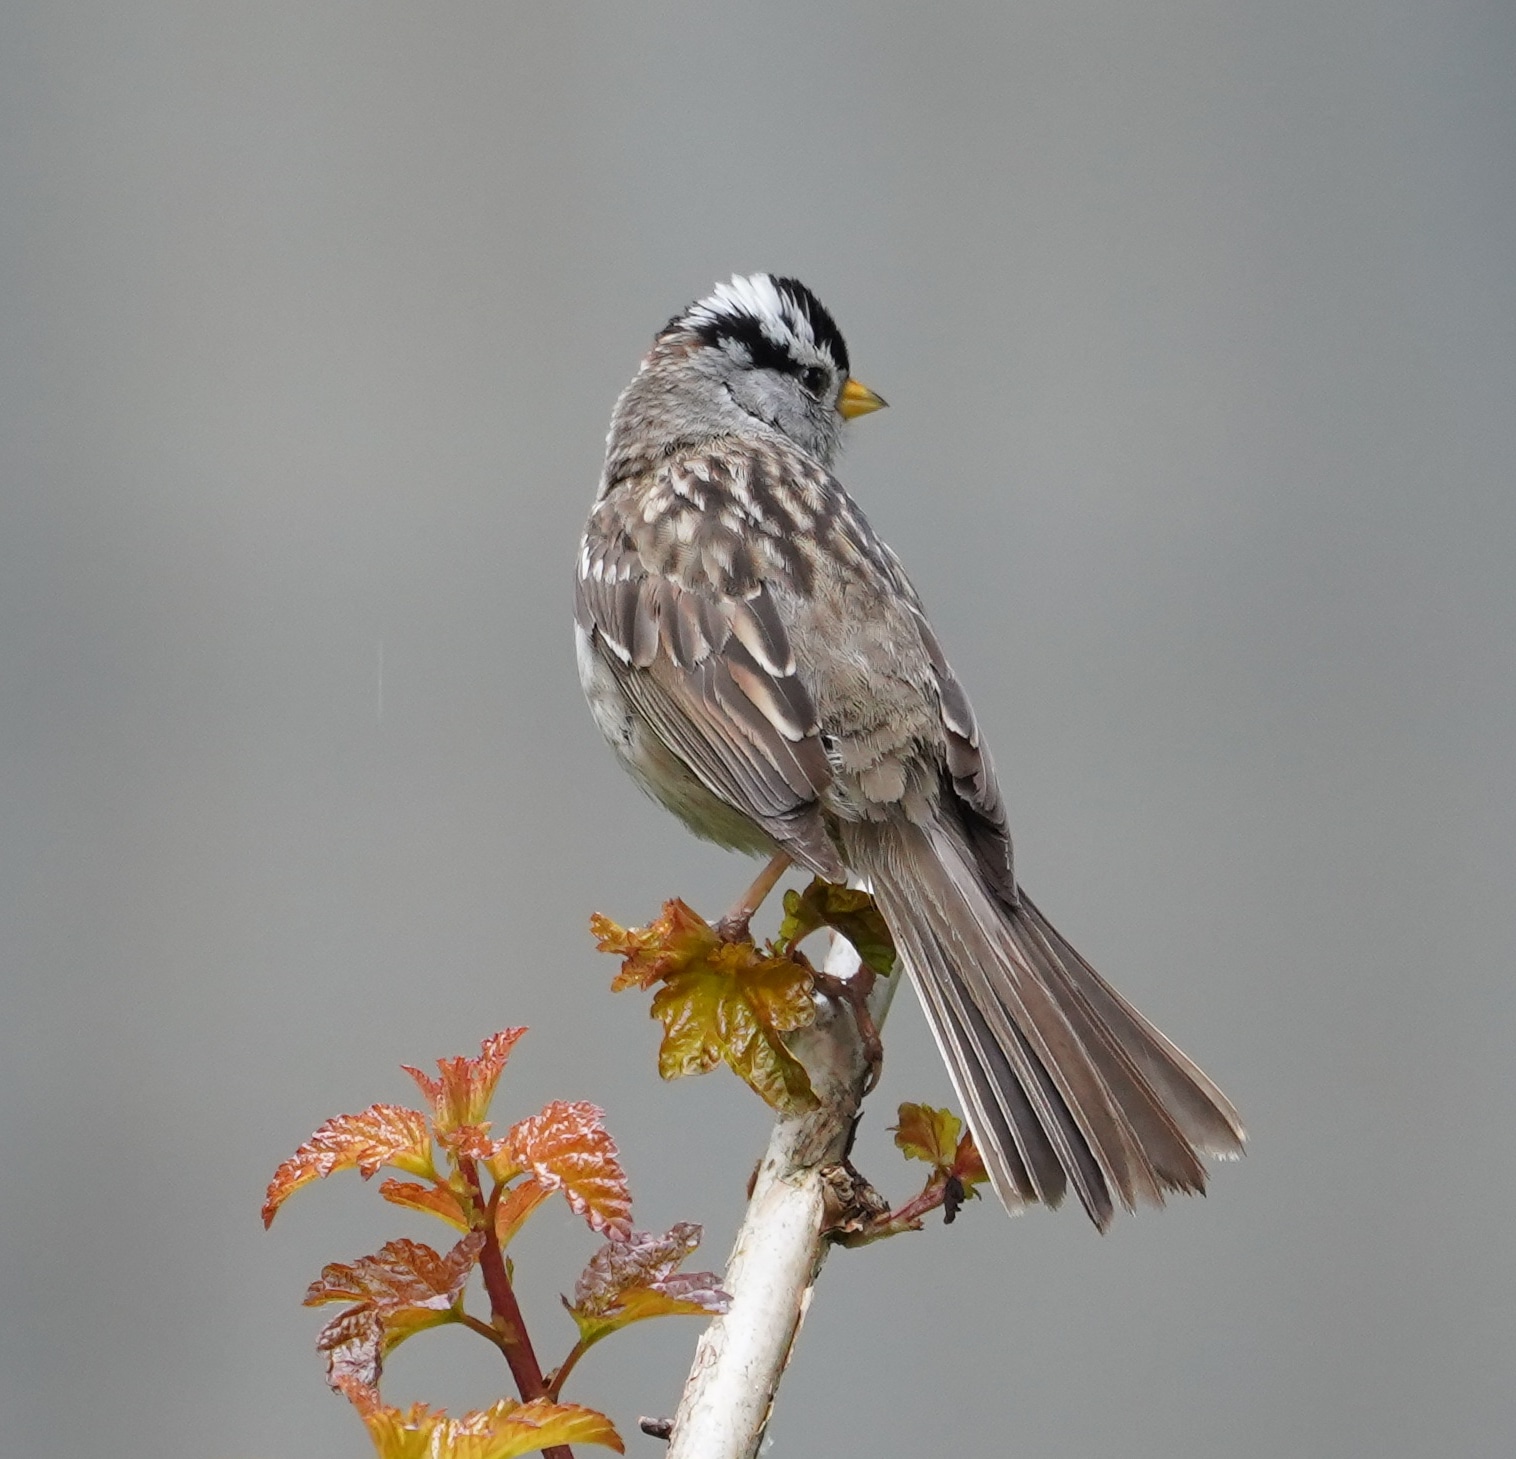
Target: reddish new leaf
506	1431
461	1093
848	910
627	1281
435	1200
735	1004
968	1164
356	1341
471	1141
936	1136
567	1148
384	1134
353	1342
400	1274
676	938
400	1290
516	1205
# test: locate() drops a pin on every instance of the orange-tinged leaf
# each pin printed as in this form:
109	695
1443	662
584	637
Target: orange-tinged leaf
638	1303
516	1205
968	1163
400	1290
929	1134
849	910
968	1171
400	1274
677	937
384	1134
461	1093
938	1137
646	1258
627	1281
435	1200
402	1436
734	1004
567	1148
719	1001
363	1396
506	1431
472	1141
509	1430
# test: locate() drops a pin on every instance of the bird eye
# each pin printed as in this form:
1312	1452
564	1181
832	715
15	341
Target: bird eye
813	378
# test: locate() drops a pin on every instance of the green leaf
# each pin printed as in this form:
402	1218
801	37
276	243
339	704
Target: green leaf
734	1005
720	1001
928	1134
848	910
933	1135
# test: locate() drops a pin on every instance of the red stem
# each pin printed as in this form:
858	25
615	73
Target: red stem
555	1383
509	1322
929	1200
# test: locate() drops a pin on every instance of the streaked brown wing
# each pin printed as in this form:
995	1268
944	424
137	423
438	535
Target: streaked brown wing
970	770
713	676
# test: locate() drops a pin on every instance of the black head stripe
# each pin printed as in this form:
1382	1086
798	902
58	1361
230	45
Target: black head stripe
743	329
823	327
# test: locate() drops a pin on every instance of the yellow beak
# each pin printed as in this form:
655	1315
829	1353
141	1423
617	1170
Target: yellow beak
857	399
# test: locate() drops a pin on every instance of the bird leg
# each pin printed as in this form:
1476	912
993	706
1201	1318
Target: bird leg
733	926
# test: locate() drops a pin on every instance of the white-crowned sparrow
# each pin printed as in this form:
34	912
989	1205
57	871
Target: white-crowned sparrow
760	662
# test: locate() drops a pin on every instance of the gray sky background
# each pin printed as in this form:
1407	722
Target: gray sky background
1197	320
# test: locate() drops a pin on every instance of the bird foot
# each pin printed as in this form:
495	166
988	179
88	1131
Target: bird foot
735	926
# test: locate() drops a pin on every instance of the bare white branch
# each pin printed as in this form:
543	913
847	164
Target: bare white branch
742	1355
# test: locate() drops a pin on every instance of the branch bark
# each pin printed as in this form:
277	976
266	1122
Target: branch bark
742	1355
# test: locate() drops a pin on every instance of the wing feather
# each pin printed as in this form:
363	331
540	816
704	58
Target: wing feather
712	673
970	771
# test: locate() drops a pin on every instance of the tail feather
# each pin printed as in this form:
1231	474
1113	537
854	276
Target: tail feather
1023	1010
1063	1082
1206	1116
1020	1158
1166	1153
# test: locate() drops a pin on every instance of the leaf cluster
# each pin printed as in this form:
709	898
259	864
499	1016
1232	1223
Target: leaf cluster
733	1001
486	1188
938	1137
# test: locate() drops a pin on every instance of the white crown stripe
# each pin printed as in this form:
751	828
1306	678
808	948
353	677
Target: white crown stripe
759	298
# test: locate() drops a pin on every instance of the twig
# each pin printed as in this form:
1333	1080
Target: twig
484	1329
742	1355
556	1381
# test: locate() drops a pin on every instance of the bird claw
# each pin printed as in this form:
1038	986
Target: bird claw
735	926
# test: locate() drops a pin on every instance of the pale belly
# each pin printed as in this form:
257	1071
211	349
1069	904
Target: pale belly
655	768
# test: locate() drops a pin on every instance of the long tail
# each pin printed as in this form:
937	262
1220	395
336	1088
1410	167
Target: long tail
1061	1078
